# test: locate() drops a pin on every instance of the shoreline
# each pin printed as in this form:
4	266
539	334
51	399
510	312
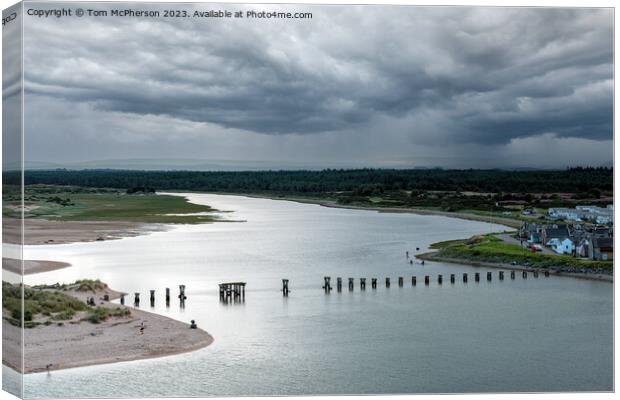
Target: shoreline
433	256
507	222
117	339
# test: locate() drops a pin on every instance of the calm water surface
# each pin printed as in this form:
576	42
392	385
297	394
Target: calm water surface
545	334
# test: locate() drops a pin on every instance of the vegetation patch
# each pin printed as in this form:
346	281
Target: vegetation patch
99	314
89	285
70	203
52	303
36	302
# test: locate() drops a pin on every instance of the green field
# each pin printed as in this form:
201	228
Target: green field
66	203
488	248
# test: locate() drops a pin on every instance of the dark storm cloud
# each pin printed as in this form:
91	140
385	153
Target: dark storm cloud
464	75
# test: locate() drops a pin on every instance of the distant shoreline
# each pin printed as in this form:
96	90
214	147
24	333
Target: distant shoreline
508	222
434	256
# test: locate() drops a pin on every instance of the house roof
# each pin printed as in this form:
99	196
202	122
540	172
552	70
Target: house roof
556	233
603	243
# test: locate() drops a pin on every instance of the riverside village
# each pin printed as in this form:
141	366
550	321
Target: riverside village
583	232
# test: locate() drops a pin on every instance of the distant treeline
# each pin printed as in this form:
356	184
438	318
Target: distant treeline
572	180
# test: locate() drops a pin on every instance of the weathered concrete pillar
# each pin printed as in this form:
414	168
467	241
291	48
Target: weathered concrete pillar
427	279
167	296
489	276
524	274
413	281
465	277
512	274
362	283
546	273
400	281
285	287
136	299
339	284
351	283
501	275
387	282
477	276
122	299
182	292
327	286
152	298
452	278
535	273
373	282
439	279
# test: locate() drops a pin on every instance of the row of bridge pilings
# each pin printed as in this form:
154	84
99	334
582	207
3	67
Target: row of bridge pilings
427	280
136	299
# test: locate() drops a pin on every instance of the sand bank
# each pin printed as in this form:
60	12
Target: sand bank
31	266
41	231
117	339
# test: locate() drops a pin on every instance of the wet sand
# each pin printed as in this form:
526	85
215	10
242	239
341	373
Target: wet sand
32	266
41	231
117	339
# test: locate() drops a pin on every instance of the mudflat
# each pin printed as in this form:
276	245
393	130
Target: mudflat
31	266
40	231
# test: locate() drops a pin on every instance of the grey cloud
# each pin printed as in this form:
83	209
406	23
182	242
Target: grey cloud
443	75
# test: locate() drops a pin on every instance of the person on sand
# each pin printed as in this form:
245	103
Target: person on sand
193	325
142	328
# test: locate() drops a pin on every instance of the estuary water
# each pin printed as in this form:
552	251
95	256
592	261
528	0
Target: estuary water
544	334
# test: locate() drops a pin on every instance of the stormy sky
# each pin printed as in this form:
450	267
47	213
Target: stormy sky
377	86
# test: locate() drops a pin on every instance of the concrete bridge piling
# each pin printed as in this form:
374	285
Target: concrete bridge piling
285	287
327	286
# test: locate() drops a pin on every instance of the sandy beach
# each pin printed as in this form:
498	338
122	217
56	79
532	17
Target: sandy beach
77	344
41	231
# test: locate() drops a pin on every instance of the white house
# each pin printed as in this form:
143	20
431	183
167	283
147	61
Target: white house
562	246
